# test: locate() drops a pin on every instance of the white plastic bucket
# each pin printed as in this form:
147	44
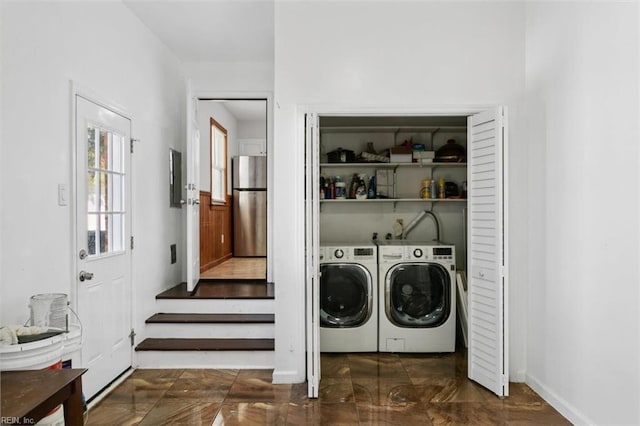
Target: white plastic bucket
72	347
45	353
49	310
42	354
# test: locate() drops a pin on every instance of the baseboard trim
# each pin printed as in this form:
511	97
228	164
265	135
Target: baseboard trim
519	376
215	262
287	376
574	415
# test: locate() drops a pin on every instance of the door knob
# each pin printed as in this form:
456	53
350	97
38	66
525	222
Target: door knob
85	275
196	201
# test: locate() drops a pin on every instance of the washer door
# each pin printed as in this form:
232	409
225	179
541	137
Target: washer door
346	295
418	295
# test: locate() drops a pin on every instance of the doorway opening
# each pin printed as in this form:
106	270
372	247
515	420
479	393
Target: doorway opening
233	188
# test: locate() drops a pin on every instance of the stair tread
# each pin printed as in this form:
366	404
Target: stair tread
211	318
221	289
177	344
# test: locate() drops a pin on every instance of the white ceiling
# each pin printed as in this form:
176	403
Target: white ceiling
214	31
211	30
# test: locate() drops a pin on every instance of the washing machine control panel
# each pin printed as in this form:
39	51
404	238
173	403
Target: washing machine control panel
348	253
417	253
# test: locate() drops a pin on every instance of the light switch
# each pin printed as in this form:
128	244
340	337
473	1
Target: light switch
62	195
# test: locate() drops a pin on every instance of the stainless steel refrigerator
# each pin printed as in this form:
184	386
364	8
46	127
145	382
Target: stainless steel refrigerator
249	206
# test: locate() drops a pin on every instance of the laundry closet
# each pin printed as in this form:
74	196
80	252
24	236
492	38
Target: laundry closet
392	231
398	196
404	208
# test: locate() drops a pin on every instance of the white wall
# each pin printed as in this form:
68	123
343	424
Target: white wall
395	55
207	110
237	77
582	135
252	129
106	50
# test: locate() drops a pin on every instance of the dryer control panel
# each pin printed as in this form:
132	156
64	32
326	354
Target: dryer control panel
390	253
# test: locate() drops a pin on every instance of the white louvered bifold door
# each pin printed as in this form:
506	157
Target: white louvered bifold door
487	290
312	251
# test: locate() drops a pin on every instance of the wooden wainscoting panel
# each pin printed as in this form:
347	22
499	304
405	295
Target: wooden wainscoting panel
215	231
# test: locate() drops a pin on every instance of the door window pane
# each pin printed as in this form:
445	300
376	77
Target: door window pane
105	191
104	149
116	194
115	226
91	146
92	193
93	238
116	159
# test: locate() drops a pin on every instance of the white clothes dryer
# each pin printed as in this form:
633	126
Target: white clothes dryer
417	296
348	297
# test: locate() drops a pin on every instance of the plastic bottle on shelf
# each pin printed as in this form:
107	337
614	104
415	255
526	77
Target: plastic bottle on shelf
340	189
330	195
425	189
371	193
441	188
433	189
361	191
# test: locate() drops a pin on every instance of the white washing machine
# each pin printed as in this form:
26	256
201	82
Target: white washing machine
417	296
348	297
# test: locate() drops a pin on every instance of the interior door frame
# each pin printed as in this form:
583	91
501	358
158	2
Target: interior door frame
463	111
78	90
203	95
312	252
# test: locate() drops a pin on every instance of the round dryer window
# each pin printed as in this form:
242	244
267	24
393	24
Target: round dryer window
418	295
345	295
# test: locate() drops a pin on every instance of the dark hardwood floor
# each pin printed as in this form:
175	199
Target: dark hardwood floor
356	389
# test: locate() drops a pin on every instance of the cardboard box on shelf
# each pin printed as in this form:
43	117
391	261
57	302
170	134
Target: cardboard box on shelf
401	154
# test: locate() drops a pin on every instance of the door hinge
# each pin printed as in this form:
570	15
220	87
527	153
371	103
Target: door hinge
131	141
132	242
132	336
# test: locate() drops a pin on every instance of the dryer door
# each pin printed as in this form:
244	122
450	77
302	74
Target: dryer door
418	295
346	295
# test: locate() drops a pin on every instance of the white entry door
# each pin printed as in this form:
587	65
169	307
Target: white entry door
487	275
103	220
193	194
312	251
